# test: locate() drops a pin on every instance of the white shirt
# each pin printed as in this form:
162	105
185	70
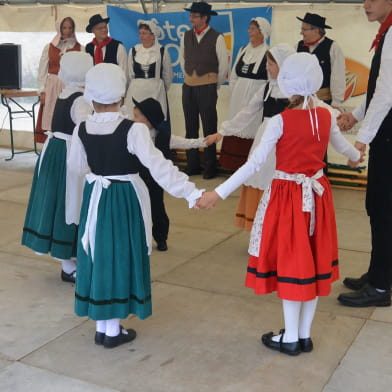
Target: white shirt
338	72
221	53
80	109
381	102
269	140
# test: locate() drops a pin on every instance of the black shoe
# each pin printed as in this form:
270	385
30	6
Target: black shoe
285	348
356	283
121	338
68	277
209	175
98	339
162	246
367	296
306	345
192	172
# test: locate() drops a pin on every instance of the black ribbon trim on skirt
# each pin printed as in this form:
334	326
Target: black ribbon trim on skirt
47	237
285	279
113	300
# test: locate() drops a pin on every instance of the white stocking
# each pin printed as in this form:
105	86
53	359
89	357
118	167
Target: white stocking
68	265
101	326
291	311
112	327
308	309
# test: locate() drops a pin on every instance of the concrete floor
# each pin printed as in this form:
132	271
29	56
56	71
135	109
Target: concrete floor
204	334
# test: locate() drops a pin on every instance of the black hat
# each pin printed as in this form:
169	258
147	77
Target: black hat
94	20
201	8
314	20
151	109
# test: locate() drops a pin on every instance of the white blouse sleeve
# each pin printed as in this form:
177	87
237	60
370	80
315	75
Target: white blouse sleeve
122	58
80	109
381	102
244	117
43	69
131	74
338	75
340	143
272	134
77	167
186	144
233	74
223	59
167	70
359	111
162	170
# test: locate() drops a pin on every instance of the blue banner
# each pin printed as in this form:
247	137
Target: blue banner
232	23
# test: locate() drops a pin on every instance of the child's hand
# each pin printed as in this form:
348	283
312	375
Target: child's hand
208	200
213	138
346	121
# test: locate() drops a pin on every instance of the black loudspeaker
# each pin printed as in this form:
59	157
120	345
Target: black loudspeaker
10	66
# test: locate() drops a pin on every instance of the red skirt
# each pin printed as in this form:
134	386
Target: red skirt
293	263
234	152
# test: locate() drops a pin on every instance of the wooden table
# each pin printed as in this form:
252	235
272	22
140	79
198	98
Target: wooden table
8	96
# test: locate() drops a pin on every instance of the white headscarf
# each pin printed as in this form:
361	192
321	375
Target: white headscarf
105	83
153	27
264	26
301	74
57	38
280	53
73	68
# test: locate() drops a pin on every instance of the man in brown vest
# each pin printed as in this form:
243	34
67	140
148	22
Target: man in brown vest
205	64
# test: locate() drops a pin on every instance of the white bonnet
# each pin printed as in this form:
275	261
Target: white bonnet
73	68
105	83
264	26
153	27
300	74
280	52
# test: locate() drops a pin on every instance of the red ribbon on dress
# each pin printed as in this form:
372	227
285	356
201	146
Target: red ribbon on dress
383	28
98	54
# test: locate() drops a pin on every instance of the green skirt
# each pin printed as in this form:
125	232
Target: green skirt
44	229
117	282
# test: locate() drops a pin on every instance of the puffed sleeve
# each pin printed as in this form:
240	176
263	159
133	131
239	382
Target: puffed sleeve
271	135
167	70
162	170
43	69
77	168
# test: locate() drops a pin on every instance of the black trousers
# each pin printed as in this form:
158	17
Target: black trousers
160	220
380	268
200	102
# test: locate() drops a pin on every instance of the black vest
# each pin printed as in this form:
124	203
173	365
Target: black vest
138	70
322	52
246	70
110	53
201	56
107	155
384	133
62	121
273	106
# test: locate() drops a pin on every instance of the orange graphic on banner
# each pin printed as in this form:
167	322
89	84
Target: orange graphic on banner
356	78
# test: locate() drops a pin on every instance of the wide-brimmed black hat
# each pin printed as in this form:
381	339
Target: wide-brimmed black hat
152	110
314	20
94	20
201	8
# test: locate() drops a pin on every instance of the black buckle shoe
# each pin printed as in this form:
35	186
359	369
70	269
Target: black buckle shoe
356	283
292	348
306	345
162	246
121	338
98	339
68	277
367	296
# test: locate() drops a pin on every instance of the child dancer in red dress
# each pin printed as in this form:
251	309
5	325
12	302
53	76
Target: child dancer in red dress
293	246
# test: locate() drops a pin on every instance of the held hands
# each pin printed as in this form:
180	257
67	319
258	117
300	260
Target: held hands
213	138
362	149
346	121
207	200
